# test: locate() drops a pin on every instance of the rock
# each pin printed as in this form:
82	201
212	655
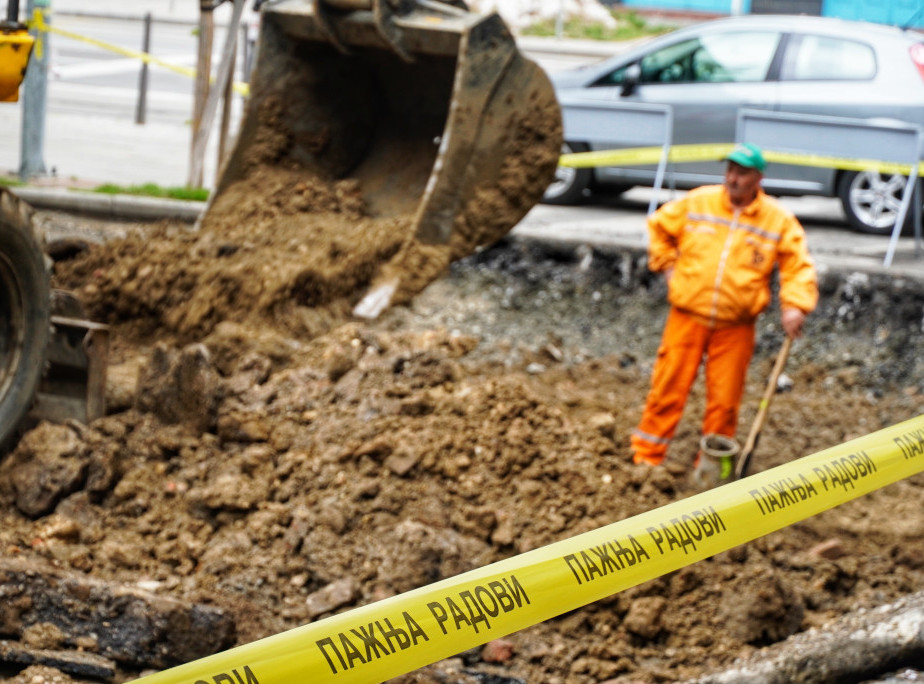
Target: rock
604	423
497	651
45	606
331	597
830	549
48	464
43	635
402	461
854	648
760	607
53	662
644	616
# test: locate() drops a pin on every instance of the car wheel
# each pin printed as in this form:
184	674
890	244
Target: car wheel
872	201
570	185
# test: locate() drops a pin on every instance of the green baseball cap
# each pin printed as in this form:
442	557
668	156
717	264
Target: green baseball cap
748	155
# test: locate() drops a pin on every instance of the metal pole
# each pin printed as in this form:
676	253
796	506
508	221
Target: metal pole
12	11
246	54
917	218
227	102
142	108
201	135
902	212
34	100
203	73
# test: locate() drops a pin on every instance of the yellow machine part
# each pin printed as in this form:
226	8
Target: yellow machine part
15	48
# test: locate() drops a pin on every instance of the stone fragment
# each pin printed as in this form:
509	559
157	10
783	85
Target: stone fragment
497	651
644	616
332	596
830	549
49	463
76	663
132	626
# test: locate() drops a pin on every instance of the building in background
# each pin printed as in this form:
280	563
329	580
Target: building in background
897	12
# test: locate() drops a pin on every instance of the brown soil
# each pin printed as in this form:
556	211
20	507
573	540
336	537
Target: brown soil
251	418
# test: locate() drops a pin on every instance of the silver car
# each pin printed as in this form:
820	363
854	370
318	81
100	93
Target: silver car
707	71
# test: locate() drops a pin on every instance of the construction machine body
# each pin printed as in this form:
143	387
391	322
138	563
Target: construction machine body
52	361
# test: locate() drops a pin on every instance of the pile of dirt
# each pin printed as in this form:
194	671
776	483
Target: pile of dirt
285	245
269	456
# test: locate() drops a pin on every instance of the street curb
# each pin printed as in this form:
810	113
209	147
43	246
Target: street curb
130	207
122	207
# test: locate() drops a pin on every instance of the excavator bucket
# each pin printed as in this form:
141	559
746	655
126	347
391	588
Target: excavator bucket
429	107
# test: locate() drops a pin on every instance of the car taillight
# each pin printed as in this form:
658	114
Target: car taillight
917	56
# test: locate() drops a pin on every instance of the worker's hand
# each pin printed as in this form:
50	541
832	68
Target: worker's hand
793	320
668	272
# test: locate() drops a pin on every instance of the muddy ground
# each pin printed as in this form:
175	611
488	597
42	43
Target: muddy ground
272	457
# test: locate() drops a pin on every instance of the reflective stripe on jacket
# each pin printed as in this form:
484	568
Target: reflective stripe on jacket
723	257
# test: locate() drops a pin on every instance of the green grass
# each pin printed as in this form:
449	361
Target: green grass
629	25
153	190
144	190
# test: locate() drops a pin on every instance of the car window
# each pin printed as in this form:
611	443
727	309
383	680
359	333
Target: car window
722	58
824	58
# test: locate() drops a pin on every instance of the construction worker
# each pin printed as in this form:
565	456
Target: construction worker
717	248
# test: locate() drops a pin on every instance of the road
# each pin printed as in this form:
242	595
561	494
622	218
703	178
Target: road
621	221
90	131
91	136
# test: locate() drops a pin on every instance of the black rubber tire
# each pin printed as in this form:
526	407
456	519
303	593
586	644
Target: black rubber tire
871	202
570	185
24	315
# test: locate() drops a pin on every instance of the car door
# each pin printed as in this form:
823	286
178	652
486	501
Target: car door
705	79
832	76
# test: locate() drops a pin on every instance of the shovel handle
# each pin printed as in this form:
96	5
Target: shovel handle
744	459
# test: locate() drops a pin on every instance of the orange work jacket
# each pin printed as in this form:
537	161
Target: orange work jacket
723	257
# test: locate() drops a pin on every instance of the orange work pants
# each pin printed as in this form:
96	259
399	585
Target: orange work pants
684	343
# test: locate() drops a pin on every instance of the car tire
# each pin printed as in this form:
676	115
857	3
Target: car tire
872	201
24	325
571	185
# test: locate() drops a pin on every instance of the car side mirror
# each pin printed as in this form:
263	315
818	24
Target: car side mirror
631	79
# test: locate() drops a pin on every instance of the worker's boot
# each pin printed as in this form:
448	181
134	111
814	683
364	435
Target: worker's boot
715	461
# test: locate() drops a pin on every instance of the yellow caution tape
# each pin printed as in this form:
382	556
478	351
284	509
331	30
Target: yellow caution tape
646	155
718	151
41	26
400	634
840	163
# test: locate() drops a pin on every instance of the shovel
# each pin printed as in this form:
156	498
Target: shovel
744	460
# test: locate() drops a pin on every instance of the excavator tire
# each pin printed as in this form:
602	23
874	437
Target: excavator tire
24	314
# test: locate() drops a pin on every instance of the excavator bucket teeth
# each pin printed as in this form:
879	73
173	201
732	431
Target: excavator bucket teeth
439	118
